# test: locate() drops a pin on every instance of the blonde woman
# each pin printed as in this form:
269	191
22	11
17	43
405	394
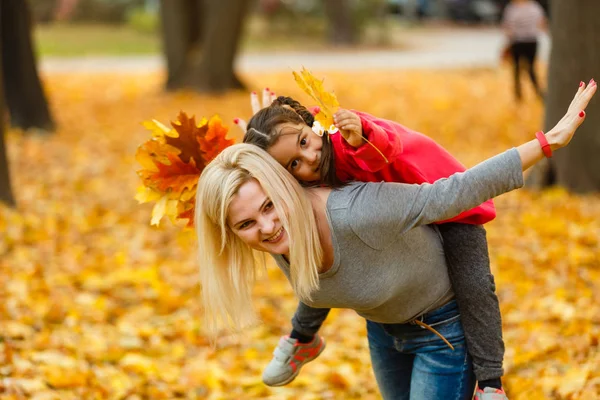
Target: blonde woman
364	246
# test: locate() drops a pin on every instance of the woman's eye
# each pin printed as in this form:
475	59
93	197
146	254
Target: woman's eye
244	225
268	206
303	142
294	164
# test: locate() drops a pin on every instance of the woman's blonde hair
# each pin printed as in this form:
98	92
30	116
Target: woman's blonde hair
228	265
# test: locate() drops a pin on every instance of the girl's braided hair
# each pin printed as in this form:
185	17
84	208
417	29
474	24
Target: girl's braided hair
302	111
262	132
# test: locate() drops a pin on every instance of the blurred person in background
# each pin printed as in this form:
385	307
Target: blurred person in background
523	21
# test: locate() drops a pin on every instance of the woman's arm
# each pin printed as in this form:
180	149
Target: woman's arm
543	22
399	207
505	22
381	210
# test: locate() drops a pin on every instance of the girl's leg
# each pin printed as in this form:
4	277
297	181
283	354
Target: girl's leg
392	369
307	320
300	347
474	289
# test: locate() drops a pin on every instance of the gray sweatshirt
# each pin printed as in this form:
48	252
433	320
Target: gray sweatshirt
389	264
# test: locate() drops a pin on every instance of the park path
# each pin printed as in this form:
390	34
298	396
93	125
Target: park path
428	48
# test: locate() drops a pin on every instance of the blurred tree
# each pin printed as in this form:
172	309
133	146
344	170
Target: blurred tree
42	11
200	41
575	55
6	195
23	90
342	27
93	11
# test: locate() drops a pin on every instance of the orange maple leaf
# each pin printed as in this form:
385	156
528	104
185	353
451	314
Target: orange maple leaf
200	141
177	176
187	140
189	215
214	140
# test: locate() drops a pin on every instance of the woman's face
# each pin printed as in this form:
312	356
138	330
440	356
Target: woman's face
298	149
252	217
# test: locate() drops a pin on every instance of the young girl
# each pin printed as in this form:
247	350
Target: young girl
284	130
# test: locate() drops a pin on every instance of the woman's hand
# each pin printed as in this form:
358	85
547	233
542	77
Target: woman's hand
350	126
559	136
563	132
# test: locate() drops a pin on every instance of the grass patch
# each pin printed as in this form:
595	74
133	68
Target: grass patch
85	40
76	40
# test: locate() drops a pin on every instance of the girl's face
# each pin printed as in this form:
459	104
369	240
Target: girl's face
252	217
298	149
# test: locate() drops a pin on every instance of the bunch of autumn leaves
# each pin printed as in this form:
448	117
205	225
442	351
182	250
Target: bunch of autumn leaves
172	161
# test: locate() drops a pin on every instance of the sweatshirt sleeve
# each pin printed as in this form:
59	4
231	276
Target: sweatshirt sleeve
380	210
385	148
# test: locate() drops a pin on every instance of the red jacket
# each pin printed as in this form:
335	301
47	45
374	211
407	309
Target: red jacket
413	158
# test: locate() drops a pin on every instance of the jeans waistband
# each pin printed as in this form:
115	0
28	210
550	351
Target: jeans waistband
446	313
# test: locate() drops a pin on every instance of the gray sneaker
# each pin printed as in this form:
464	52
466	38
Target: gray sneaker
289	356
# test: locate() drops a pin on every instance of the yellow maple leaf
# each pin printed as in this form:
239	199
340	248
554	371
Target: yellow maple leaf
158	129
314	88
145	194
327	101
152	152
159	210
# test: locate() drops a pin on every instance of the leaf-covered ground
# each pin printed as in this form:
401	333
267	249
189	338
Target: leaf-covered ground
96	304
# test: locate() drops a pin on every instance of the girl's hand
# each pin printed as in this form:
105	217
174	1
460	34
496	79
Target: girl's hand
563	132
350	126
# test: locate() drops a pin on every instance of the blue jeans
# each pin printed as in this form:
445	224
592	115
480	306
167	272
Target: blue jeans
413	363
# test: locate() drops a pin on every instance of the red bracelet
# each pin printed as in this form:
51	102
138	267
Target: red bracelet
544	143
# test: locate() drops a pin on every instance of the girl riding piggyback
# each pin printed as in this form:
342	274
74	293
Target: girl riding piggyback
371	149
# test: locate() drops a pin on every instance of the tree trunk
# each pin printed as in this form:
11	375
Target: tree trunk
23	91
201	40
6	194
221	40
181	20
342	30
575	56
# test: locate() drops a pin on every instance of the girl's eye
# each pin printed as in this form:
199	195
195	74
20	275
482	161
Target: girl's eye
303	142
294	164
268	206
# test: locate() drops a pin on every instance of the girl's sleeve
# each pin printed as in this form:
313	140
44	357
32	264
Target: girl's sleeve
383	136
378	210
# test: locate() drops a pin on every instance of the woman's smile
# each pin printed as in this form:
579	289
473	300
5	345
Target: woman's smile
276	237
